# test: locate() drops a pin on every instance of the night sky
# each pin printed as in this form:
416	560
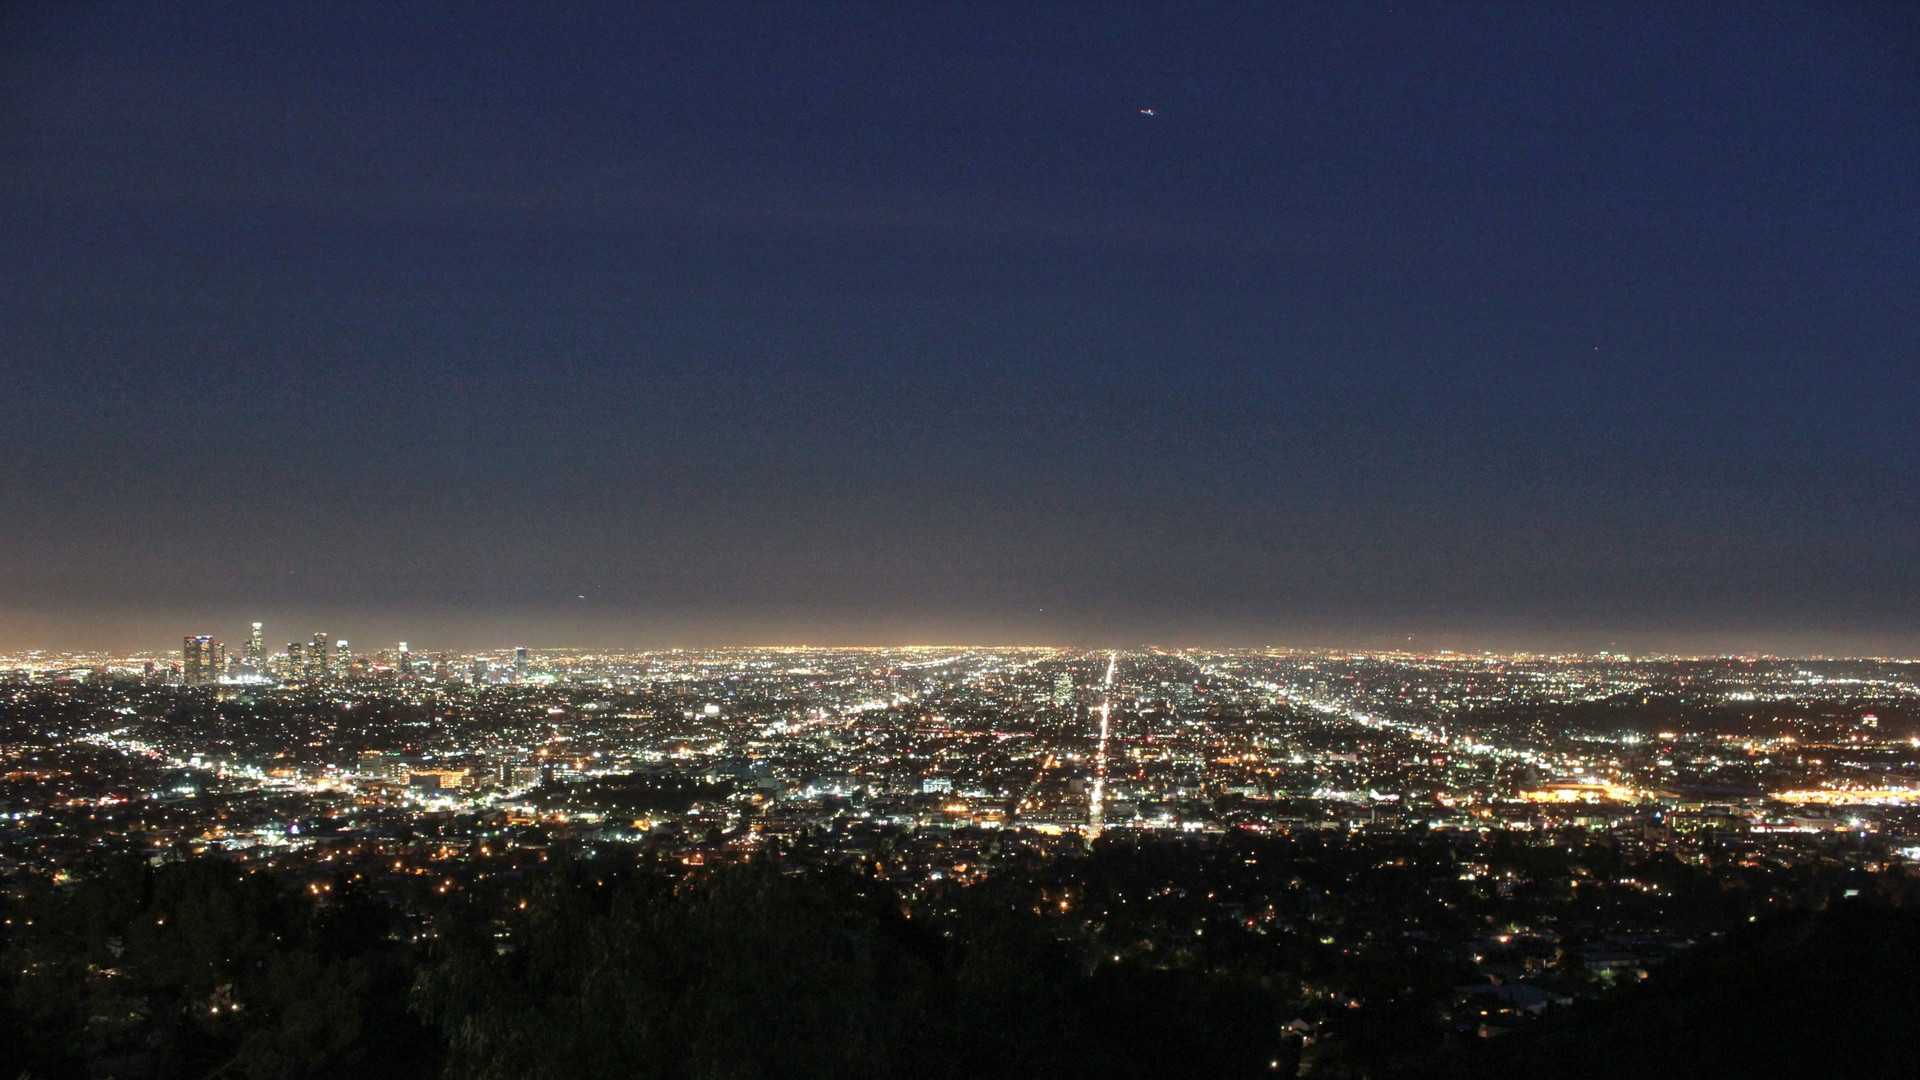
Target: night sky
1435	325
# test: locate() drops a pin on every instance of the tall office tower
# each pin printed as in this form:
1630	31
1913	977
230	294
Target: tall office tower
317	656
405	663
296	666
519	664
1063	689
202	660
342	658
478	671
255	654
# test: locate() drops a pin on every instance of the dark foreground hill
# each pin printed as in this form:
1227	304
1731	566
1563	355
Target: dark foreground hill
1810	994
636	969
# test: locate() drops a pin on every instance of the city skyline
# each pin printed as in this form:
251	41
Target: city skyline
161	634
202	660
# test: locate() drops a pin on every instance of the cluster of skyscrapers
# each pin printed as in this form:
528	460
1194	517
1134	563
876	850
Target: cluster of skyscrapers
205	661
311	659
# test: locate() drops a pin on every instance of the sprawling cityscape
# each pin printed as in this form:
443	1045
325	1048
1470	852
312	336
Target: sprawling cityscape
941	540
1458	846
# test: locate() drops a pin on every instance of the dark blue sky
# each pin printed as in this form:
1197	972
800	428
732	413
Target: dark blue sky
1547	324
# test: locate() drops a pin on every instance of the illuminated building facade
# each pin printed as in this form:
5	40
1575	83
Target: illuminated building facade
254	657
202	660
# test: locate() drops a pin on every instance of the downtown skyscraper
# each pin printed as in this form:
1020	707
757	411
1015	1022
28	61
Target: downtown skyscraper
202	660
254	655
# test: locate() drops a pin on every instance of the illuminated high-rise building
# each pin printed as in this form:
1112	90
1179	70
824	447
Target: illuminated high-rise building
519	664
342	658
317	656
254	656
296	669
202	660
